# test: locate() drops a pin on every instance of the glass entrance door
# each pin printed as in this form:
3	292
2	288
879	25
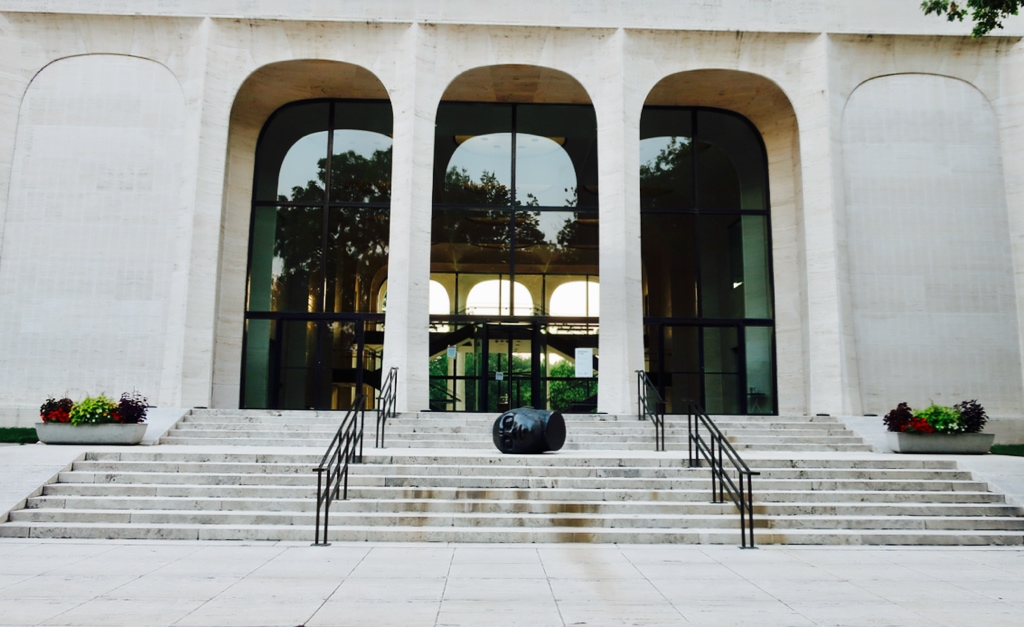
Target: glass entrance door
487	366
510	367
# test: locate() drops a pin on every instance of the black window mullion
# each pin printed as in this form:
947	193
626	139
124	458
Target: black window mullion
512	224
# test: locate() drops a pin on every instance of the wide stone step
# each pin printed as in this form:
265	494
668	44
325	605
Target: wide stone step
696	494
182	490
462	459
810	511
416	519
875	496
320	444
189	478
964	523
578	520
298	533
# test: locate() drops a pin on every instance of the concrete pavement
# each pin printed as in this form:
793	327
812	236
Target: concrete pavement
200	584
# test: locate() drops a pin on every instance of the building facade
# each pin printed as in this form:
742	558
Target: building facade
808	206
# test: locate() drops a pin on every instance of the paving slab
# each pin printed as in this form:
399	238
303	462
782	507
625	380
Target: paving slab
79	583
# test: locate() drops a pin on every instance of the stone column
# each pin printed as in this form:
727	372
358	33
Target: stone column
621	349
818	121
406	334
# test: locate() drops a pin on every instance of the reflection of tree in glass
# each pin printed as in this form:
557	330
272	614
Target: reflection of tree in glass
489	227
357	241
667	179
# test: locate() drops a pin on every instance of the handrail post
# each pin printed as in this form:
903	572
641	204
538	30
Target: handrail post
362	425
714	468
319	491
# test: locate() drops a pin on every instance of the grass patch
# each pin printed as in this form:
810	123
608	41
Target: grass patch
18	435
1017	450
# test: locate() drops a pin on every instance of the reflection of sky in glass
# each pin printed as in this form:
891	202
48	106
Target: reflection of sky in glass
485	153
543	168
300	164
650	147
550	224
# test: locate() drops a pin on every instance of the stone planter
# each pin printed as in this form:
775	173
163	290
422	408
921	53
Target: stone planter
956	443
110	433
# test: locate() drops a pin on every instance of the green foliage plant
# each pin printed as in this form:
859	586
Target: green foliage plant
943	419
93	410
987	15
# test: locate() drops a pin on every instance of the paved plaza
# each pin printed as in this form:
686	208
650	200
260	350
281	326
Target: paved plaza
140	583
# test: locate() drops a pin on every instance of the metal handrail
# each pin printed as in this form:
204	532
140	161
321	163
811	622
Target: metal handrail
386	403
715	449
332	473
649	404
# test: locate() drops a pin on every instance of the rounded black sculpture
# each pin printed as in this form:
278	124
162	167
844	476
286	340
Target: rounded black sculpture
528	430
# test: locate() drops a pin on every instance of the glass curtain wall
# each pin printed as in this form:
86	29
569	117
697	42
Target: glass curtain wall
515	217
706	253
318	253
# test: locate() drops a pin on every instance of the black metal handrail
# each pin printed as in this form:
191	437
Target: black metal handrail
332	473
715	449
649	404
386	403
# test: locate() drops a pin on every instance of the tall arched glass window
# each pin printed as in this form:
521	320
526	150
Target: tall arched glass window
706	257
515	204
318	255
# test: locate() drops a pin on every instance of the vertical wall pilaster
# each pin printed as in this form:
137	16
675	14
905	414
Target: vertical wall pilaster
826	392
407	334
1010	114
618	145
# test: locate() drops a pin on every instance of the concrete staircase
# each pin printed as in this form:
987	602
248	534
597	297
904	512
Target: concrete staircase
437	430
607	485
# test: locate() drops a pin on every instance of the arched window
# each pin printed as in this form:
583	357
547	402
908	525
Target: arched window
576	298
318	253
515	215
707	259
495	298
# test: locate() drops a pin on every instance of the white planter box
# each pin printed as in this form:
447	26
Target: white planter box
950	443
64	433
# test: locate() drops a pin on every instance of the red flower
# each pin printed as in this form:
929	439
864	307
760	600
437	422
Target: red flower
918	425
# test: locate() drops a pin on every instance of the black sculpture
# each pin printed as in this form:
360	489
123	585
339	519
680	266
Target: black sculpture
527	430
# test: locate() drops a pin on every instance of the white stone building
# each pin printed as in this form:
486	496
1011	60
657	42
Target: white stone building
797	206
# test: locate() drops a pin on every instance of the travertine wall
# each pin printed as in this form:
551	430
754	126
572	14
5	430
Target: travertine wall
91	241
206	75
930	262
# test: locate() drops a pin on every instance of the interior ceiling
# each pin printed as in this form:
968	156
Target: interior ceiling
516	83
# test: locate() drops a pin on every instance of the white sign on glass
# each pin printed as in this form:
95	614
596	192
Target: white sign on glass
584	363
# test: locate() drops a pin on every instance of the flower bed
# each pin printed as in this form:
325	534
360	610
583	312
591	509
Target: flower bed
131	409
93	420
939	429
